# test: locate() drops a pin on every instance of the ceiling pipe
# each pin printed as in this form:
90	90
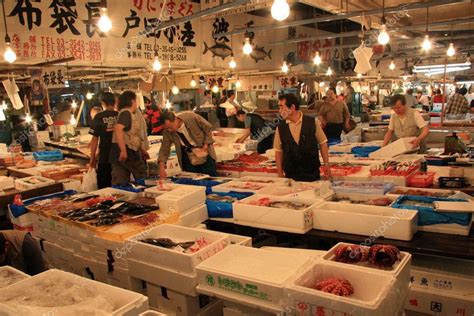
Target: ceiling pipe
329	18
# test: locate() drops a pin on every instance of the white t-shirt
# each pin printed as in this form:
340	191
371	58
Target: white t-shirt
424	100
185	132
419	121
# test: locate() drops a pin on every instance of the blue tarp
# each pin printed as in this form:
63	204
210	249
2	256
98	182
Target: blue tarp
224	209
364	151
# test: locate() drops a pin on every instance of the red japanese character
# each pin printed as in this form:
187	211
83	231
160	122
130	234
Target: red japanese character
16	44
138	4
461	311
320	311
190	9
413	302
26	47
302	306
182	6
303	51
150	5
170	6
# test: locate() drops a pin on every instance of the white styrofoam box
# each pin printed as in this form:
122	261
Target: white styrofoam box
303	190
358	197
434	191
80	234
182	199
452	229
363	175
24	220
440	294
240	240
366	220
174	260
239	186
265	179
194	217
127	195
24	184
10	275
179	304
374	300
296	251
251	276
154	192
172	280
6	183
281	219
259	174
398	147
234	309
153	313
125	302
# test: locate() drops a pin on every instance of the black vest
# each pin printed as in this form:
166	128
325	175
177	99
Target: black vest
256	124
300	161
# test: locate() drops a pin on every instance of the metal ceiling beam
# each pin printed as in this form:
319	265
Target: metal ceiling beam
201	14
329	18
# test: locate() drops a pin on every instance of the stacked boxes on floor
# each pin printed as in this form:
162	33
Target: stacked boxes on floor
170	275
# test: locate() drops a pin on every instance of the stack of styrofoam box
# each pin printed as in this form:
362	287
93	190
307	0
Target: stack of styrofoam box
280	219
9	276
170	273
37	139
189	201
251	277
124	302
440	293
386	294
6	183
24	184
366	220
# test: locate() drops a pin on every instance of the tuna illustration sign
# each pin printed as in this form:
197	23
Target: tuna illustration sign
259	53
220	47
218	50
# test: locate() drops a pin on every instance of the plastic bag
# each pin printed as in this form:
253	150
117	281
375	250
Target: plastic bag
89	181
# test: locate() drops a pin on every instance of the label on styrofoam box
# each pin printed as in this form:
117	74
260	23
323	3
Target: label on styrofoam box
451	284
158	276
46	223
435	302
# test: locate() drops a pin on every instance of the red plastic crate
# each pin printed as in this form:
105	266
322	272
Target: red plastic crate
342	171
421	179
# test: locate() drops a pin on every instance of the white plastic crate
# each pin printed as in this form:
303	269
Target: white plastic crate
239	186
374	300
182	199
33	182
281	219
251	276
122	301
366	220
6	183
174	260
153	274
194	217
398	147
9	276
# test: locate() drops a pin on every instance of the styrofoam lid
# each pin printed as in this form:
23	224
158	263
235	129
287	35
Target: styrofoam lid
255	264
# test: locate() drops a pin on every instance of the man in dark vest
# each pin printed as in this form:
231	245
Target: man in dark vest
258	129
19	250
296	142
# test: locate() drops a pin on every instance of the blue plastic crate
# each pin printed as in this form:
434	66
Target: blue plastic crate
364	151
51	155
18	210
223	209
428	216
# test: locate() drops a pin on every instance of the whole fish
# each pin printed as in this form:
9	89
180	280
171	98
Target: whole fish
219	50
259	53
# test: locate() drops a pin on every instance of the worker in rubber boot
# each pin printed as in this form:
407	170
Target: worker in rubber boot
296	142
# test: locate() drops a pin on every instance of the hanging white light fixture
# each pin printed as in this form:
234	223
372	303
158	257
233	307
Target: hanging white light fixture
4	105
383	37
192	83
232	63
74	104
89	95
451	51
174	89
215	88
280	10
284	68
9	54
405	77
168	104
426	45
321	84
247	46
156	64
359	75
73	120
392	65
105	24
28	118
66	83
329	72
317	59
238	84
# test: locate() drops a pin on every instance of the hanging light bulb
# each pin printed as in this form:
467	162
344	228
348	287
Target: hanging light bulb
174	89
359	75
426	45
329	72
321	84
376	88
317	59
232	63
383	37
4	105
74	104
66	83
280	10
215	88
105	24
73	120
392	65
89	95
238	84
192	83
247	47
405	77
28	118
451	51
9	54
284	68
168	104
156	64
